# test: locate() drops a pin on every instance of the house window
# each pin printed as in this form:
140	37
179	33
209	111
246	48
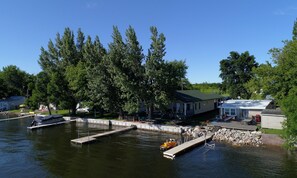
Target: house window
232	112
199	106
227	111
195	106
188	107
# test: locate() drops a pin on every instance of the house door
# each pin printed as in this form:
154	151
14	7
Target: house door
245	114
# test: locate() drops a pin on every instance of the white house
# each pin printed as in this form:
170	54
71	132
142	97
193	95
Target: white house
244	109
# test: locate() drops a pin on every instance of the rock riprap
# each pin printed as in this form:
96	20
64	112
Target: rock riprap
238	137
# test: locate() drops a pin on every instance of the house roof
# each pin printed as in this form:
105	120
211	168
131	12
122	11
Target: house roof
273	111
195	95
246	104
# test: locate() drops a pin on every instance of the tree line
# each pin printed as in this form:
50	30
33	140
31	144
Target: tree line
15	82
118	79
121	78
244	78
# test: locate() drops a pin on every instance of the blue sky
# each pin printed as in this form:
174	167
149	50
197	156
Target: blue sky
202	32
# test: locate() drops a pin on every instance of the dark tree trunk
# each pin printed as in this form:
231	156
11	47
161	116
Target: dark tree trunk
121	114
150	111
49	109
73	109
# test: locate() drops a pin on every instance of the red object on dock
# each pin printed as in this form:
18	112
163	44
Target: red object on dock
258	118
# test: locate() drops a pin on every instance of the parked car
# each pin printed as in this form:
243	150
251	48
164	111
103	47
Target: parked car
82	110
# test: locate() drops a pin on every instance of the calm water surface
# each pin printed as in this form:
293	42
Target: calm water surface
49	153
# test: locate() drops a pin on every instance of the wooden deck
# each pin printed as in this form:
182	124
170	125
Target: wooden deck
185	146
234	125
48	125
91	138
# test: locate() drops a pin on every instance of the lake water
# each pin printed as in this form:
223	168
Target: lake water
48	153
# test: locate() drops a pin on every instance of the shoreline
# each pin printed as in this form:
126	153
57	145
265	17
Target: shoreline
267	139
139	125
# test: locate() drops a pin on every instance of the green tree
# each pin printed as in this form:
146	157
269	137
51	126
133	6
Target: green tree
295	30
236	71
116	70
93	55
208	87
63	63
279	80
284	78
132	73
154	73
3	87
289	105
41	93
174	77
15	81
262	80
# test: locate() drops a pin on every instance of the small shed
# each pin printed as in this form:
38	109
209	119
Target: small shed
272	118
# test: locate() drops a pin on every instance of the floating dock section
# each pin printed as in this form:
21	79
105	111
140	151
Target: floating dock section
48	125
15	118
91	138
185	146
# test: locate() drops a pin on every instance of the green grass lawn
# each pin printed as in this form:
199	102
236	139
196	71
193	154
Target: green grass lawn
273	131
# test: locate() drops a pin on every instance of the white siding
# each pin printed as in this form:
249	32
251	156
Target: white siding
271	121
254	113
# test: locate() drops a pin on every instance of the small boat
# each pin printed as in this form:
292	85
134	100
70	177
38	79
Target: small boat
43	120
168	144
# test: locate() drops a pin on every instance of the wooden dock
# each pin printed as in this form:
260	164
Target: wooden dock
91	138
48	125
185	146
15	118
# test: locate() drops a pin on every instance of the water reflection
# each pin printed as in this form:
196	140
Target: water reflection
48	152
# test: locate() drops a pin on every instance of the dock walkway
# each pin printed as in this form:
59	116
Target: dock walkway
15	118
91	138
48	125
185	146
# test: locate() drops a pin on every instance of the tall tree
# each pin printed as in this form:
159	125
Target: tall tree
63	63
279	80
284	87
284	69
236	71
93	54
294	30
154	70
289	104
41	93
132	77
116	68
